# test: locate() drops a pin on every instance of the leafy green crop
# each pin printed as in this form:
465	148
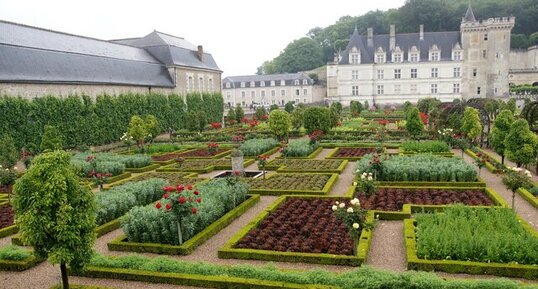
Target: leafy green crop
254	147
299	148
433	146
109	162
14	253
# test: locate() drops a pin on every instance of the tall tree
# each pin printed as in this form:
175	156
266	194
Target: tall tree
280	123
501	128
302	54
521	143
413	123
471	124
55	213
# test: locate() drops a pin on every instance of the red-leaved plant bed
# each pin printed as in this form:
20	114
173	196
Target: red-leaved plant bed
393	199
6	189
353	152
7	216
301	225
202	152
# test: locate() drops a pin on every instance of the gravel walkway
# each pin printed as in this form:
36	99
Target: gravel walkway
344	181
323	154
509	163
388	250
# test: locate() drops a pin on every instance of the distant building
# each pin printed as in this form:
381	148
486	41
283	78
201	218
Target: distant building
36	62
391	69
269	89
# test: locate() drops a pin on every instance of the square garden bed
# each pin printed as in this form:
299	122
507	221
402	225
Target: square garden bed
202	165
197	153
350	153
173	178
304	165
292	184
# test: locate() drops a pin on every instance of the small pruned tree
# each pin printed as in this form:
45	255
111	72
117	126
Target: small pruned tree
297	118
280	123
413	123
137	130
407	106
317	118
8	152
239	113
55	213
231	116
501	128
521	143
152	126
337	107
471	124
261	113
289	107
355	108
51	140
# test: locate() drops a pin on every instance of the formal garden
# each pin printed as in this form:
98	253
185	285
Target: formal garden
132	190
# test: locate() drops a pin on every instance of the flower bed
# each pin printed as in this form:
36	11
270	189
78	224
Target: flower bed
491	165
194	153
202	165
114	164
350	153
289	183
304	165
393	199
491	241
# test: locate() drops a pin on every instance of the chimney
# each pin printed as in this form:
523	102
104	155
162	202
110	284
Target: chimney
370	37
201	52
421	31
392	42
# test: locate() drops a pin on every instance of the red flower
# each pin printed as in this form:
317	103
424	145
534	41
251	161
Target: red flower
189	187
383	122
199	200
196	193
108	175
216	125
98	175
165	196
236	173
158	205
181	200
168	207
168	189
180	188
194	210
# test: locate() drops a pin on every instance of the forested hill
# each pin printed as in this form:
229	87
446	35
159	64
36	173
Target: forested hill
319	45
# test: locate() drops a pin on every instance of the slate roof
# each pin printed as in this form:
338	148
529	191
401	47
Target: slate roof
445	41
289	79
469	15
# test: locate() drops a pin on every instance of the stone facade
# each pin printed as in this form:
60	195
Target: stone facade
524	66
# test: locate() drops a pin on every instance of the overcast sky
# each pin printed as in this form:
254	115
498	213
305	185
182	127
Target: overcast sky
240	34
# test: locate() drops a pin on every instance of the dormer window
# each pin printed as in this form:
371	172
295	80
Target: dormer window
272	83
228	85
262	83
354	56
435	53
397	55
296	82
282	82
456	55
414	54
242	84
305	81
252	84
380	56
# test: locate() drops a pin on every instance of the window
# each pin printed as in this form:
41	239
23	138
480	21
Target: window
495	90
272	83
305	91
413	57
435	72
434	56
397	89
355	90
413	88
305	81
498	55
296	82
282	82
380	89
413	73
456	88
380	58
457	72
190	83
262	83
433	88
380	74
486	36
228	85
297	92
252	84
253	94
296	100
243	94
397	73
354	74
475	71
478	90
228	95
484	53
242	84
304	100
210	84
262	93
397	57
457	55
200	84
273	93
354	58
283	92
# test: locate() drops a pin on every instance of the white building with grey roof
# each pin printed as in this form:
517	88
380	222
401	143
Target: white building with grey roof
394	68
266	90
36	62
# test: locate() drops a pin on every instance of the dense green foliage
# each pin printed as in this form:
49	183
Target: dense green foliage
297	118
299	148
51	139
436	15
8	152
84	121
471	123
362	277
280	123
428	105
239	113
420	167
425	146
317	118
109	162
255	147
148	224
521	144
55	214
470	234
355	108
14	253
117	201
413	123
501	127
260	112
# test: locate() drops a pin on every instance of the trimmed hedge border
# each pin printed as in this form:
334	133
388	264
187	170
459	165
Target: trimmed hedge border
120	243
217	156
113	179
191	279
265	154
310	156
488	165
468	267
442	154
525	194
147	168
283	169
277	192
8	231
359	145
229	252
478	184
130	179
170	168
11	265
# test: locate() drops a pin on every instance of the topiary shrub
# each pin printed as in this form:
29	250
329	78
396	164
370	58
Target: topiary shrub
52	139
317	118
280	123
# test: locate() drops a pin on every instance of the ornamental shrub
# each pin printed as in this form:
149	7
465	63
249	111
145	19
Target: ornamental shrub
8	152
260	113
151	225
273	107
153	127
297	118
471	123
433	146
231	115
51	140
280	123
137	130
413	123
288	107
239	113
299	148
255	147
355	108
501	128
315	118
521	144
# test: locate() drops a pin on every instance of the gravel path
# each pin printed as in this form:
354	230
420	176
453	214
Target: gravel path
388	250
344	181
323	154
523	208
509	163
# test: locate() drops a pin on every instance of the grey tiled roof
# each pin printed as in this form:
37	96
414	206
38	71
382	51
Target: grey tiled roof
445	41
289	79
469	15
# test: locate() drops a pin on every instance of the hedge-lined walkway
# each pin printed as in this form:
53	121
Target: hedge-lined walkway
387	250
509	163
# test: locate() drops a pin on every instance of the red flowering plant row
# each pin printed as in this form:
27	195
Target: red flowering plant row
353	152
216	125
316	136
179	201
